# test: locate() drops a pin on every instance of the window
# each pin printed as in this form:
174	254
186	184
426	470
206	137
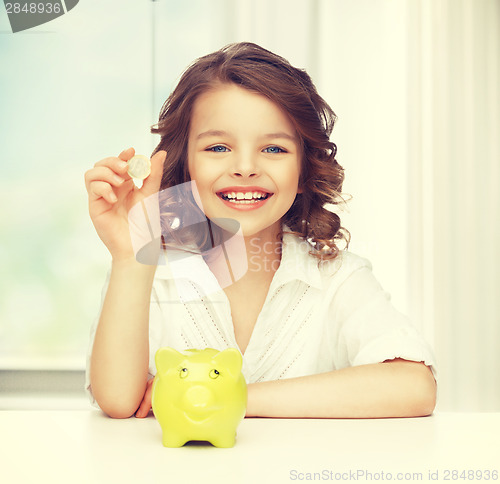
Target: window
73	91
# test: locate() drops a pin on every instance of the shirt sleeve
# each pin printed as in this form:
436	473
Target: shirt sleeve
370	329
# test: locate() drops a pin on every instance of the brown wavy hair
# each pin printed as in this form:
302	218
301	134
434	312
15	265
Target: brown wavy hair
261	71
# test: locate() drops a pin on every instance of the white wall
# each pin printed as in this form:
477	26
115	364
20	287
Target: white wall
363	74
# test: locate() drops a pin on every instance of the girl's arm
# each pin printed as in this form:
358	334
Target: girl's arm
120	353
395	388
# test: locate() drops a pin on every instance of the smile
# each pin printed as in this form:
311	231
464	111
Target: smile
245	197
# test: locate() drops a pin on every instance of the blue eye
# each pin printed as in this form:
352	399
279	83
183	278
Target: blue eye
217	149
274	150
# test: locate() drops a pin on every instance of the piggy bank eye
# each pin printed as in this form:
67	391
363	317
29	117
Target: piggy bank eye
183	373
214	374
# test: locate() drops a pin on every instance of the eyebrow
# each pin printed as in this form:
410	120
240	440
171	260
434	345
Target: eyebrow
217	132
281	135
212	132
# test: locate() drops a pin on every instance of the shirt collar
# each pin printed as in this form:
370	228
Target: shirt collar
296	264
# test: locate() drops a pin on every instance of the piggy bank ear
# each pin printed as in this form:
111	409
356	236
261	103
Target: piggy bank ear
229	360
167	358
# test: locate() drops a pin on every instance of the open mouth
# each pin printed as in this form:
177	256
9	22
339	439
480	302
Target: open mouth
244	197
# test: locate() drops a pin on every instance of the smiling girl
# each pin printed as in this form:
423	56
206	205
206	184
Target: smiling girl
318	335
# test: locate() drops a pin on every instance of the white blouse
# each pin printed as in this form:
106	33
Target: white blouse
314	319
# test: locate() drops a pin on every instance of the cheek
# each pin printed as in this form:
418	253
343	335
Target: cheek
202	175
198	186
197	166
191	162
202	170
198	173
292	180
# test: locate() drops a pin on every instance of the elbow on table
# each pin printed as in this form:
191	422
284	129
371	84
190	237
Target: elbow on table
116	407
117	410
424	393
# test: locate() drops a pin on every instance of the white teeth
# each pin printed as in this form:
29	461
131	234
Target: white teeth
244	197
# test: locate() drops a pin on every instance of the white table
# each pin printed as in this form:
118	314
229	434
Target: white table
87	447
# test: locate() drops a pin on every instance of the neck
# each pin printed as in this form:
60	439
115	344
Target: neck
261	250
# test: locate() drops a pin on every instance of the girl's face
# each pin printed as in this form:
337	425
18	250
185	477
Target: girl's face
243	154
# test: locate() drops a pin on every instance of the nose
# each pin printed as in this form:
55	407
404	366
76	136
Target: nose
198	398
244	165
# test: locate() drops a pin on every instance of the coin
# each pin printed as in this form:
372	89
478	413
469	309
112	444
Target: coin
139	167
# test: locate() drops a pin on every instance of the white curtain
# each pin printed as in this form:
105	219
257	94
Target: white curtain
454	183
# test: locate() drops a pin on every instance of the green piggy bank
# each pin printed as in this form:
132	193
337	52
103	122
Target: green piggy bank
199	395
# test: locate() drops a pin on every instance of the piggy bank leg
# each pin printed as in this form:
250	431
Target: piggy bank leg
173	440
225	440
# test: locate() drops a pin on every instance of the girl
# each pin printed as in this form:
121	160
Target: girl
248	135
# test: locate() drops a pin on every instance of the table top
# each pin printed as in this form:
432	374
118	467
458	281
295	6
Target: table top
86	446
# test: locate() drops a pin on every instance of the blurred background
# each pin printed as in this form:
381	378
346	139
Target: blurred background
415	86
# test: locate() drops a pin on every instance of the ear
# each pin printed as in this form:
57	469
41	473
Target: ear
167	358
230	360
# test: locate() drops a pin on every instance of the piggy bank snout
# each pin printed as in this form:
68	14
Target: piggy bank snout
198	398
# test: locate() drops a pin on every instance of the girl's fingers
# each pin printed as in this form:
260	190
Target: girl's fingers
157	162
125	155
113	172
145	406
101	189
103	173
143	410
115	164
153	181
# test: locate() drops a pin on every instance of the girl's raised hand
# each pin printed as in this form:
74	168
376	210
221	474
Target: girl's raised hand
112	194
